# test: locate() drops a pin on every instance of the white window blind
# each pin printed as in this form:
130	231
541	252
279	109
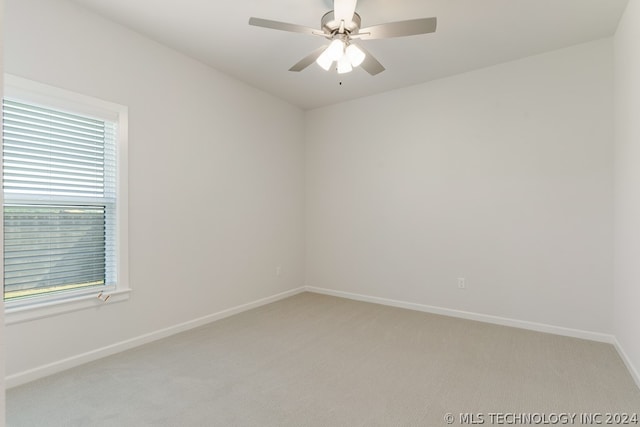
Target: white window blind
59	183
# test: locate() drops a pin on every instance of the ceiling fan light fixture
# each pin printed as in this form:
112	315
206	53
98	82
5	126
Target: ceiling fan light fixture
355	55
335	50
324	60
340	26
344	65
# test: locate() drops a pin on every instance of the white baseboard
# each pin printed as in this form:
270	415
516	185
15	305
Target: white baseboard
504	321
627	361
61	365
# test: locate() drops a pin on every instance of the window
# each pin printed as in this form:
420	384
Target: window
64	214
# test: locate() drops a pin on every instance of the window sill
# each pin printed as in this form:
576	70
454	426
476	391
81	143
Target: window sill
13	315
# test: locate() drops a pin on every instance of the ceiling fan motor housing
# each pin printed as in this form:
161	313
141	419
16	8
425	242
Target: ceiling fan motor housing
331	26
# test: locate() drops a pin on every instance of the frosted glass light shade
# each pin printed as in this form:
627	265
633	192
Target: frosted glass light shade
355	55
344	65
335	50
324	60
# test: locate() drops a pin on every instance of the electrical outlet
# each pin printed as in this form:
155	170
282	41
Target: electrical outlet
278	270
462	284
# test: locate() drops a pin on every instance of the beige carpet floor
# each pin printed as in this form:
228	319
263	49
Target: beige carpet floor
314	360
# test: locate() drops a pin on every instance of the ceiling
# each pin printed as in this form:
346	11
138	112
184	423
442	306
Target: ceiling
471	34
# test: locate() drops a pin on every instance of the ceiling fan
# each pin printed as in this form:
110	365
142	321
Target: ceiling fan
342	26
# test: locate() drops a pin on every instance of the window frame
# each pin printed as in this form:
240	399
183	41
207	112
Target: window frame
60	302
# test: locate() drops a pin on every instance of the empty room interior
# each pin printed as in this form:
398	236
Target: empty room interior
320	212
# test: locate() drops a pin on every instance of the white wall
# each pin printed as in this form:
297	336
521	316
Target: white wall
502	176
627	185
215	179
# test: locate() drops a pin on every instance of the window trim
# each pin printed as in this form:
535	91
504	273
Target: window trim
57	303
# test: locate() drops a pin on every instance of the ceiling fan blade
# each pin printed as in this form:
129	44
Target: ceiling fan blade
371	64
308	60
283	26
399	29
343	10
